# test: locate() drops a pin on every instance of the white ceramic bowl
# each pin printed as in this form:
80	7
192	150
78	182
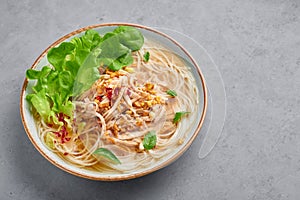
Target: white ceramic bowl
29	125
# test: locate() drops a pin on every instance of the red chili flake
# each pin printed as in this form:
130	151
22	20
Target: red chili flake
109	93
63	134
61	117
99	98
65	153
57	134
64	140
63	130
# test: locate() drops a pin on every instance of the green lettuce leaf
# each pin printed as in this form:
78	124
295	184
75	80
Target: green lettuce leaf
75	68
41	103
36	74
130	37
58	56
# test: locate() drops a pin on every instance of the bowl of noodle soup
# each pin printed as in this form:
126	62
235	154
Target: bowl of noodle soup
130	114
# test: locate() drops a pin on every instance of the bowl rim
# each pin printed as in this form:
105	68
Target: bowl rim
120	176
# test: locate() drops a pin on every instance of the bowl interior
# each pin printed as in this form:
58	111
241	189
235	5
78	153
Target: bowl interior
151	34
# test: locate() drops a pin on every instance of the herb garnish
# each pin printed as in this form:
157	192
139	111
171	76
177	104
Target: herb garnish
146	56
178	116
171	93
107	154
149	140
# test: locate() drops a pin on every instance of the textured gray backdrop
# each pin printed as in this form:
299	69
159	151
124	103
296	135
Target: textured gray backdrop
256	45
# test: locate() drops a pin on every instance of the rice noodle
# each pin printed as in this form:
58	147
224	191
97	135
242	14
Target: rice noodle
121	126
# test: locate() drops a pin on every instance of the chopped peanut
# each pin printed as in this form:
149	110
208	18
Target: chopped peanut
116	128
106	133
152	92
100	90
139	122
145	113
112	140
180	141
129	112
137	104
149	86
158	99
104	104
112	74
149	103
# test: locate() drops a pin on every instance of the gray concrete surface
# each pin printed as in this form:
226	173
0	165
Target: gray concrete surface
256	45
